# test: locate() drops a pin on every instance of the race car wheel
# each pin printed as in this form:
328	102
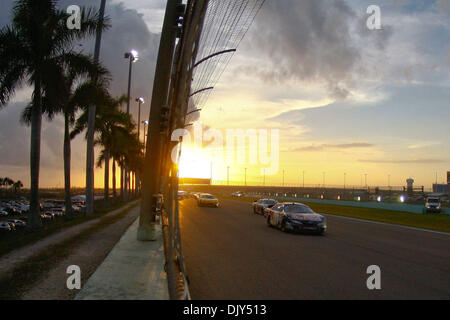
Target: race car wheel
283	226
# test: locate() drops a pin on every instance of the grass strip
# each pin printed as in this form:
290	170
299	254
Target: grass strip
20	238
438	222
20	279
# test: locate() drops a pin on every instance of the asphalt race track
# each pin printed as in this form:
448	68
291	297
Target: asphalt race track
231	253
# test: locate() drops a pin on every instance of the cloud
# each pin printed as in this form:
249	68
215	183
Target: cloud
128	31
312	42
340	146
416	161
420	145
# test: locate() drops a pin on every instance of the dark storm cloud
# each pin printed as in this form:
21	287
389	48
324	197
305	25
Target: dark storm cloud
317	41
340	146
128	31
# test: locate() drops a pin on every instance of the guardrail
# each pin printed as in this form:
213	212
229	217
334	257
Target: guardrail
403	207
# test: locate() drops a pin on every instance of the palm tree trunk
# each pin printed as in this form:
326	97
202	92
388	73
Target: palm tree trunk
34	217
114	177
121	182
67	155
134	184
106	196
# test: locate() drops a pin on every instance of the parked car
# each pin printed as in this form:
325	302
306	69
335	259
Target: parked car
208	200
5	227
260	205
237	194
3	213
433	204
12	225
11	210
46	217
58	212
294	216
18	223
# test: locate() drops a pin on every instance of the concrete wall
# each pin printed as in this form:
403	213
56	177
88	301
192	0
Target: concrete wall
405	207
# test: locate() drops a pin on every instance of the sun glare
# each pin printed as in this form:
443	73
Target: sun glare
194	163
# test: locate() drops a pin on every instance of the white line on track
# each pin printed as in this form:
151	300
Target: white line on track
389	224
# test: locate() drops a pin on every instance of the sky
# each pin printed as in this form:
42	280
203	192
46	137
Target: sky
347	101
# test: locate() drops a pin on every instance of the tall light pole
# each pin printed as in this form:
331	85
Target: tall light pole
132	56
365	179
139	100
145	122
91	122
211	172
303	178
344	179
245	177
389	181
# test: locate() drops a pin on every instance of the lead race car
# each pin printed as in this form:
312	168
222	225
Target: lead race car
207	200
294	216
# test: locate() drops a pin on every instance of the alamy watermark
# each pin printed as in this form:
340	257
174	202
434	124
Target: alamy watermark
374	280
74	280
237	146
74	20
373	22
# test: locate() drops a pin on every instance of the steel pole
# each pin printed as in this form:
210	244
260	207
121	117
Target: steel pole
127	173
152	162
139	121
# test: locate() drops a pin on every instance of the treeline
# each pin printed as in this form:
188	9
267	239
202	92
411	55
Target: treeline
37	49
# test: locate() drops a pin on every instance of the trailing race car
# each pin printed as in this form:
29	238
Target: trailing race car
294	216
433	204
260	205
208	200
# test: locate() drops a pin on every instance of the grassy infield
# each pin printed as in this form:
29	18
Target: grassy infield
14	284
439	222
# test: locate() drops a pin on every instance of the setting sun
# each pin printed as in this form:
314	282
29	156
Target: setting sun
194	163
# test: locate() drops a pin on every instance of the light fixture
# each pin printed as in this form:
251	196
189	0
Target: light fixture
133	55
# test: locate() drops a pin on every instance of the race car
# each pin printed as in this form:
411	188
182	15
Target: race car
260	205
207	200
433	204
294	216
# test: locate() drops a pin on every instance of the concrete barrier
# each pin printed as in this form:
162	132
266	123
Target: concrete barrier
404	207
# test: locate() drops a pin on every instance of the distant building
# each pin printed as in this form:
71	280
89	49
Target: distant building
441	188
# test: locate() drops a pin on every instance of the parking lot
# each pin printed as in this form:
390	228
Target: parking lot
13	213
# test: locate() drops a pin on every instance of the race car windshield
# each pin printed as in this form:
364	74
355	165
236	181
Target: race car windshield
297	208
269	202
433	200
208	197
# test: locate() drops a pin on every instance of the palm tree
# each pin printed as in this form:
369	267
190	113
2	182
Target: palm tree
8	182
17	186
111	125
34	50
85	93
76	97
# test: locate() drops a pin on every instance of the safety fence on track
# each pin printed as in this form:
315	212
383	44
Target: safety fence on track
208	33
